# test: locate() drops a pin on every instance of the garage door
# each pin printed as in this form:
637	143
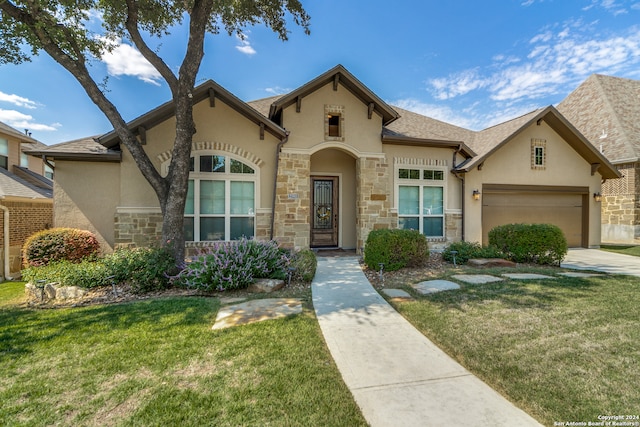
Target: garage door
561	209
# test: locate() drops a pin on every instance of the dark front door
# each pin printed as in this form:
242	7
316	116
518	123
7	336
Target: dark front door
324	215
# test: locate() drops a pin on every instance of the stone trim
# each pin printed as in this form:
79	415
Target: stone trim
334	110
535	143
217	146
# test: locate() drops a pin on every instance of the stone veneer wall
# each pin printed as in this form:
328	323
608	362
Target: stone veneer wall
373	194
621	206
137	229
293	198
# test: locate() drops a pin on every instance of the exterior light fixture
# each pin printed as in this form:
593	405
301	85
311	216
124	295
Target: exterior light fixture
476	195
597	197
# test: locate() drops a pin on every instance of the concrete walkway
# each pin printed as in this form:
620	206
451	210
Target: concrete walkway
606	262
396	375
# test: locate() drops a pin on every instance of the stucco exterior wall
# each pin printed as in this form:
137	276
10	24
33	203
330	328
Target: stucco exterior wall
90	203
511	164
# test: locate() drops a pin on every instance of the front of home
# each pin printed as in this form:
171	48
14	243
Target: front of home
324	165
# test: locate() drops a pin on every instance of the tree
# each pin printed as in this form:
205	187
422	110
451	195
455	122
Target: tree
60	28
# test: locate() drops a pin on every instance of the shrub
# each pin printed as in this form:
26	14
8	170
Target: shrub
536	243
84	274
469	250
304	264
234	265
395	249
145	269
58	244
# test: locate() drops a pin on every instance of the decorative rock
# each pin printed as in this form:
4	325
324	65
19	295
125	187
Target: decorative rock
432	286
256	311
490	262
266	285
32	291
579	275
52	291
69	292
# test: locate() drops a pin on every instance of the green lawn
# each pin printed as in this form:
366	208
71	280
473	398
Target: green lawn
157	362
622	249
562	350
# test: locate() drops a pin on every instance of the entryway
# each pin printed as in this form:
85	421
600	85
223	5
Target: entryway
324	213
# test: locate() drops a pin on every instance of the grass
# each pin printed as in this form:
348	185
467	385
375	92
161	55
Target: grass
157	362
566	349
622	249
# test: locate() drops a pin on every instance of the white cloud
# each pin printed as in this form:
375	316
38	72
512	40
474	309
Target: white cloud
125	60
245	47
457	84
277	90
438	112
17	100
19	121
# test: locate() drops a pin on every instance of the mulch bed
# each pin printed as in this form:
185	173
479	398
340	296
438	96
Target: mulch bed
434	267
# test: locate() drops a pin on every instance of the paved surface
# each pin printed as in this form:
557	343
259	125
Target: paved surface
396	375
597	260
256	311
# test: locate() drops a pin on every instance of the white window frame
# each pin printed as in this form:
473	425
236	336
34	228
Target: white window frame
421	182
4	153
227	177
538	152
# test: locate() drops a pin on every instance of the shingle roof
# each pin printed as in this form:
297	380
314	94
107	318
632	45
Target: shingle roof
80	149
6	129
14	186
606	110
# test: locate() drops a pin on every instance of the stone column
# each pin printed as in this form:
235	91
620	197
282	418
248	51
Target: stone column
293	198
373	193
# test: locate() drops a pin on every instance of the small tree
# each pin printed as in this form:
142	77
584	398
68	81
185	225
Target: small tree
60	28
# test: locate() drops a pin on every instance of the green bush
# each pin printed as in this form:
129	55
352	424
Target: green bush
304	264
57	244
145	269
395	249
535	243
234	265
469	250
85	274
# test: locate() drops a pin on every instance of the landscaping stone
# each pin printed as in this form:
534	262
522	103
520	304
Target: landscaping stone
476	279
397	294
579	275
257	311
432	286
52	291
527	276
230	300
266	285
490	262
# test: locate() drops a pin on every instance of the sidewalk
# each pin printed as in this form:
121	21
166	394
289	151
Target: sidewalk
396	375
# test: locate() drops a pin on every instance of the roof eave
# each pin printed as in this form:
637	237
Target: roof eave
206	90
424	142
347	80
112	156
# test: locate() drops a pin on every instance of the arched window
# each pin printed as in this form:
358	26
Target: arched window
221	201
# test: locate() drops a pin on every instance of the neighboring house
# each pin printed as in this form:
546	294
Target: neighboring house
25	196
606	110
327	163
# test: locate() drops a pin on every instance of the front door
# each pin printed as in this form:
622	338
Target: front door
324	215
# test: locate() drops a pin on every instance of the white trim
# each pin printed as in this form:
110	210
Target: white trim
137	210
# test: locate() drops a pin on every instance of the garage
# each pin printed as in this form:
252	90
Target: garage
566	207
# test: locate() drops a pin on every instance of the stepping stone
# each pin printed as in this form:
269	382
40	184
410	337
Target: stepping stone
257	311
579	275
432	286
231	300
476	279
397	294
527	276
490	262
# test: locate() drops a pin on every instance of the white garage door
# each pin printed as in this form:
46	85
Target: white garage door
561	209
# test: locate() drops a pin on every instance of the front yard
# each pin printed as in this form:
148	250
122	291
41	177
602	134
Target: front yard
564	349
157	362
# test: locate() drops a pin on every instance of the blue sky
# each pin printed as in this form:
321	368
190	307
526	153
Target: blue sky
471	63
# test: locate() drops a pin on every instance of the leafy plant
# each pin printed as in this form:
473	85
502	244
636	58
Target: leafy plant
58	244
145	269
536	243
395	249
85	274
234	265
469	250
304	265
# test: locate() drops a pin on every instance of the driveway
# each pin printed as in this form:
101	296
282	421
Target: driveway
607	262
